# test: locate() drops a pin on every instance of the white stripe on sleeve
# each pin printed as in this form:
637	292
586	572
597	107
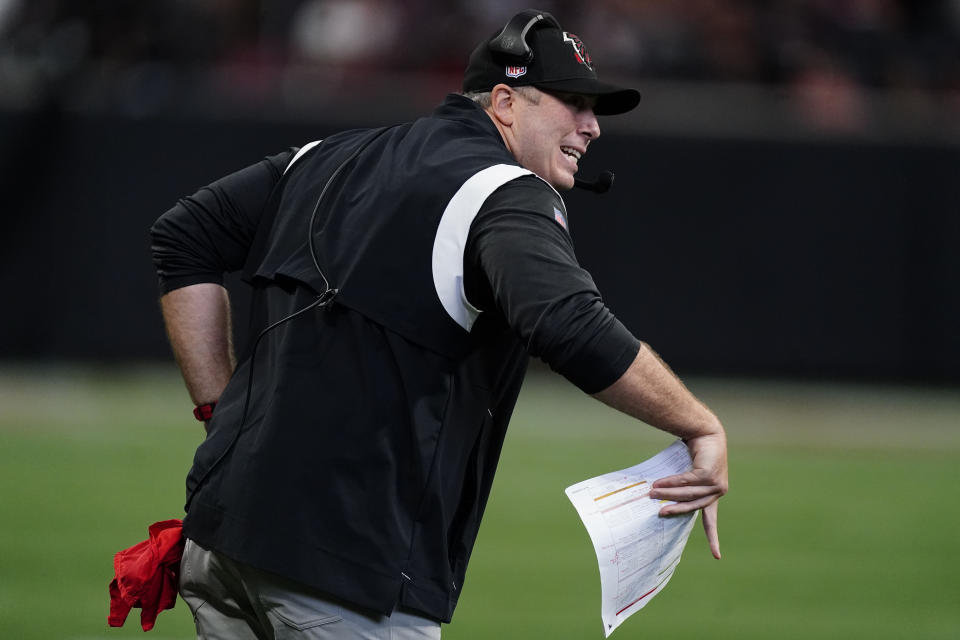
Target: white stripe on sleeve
299	154
451	240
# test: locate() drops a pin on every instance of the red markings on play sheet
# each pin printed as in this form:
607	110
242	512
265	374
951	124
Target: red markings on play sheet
637	600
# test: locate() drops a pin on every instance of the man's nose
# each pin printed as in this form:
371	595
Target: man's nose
588	125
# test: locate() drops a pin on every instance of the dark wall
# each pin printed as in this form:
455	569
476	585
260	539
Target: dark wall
765	257
728	256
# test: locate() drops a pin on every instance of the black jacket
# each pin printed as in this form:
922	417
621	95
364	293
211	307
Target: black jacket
360	459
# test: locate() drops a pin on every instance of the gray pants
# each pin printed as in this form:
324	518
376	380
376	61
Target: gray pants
233	601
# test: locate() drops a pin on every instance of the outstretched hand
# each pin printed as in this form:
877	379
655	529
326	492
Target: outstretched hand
650	392
699	488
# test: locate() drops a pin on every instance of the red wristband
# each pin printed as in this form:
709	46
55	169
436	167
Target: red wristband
204	412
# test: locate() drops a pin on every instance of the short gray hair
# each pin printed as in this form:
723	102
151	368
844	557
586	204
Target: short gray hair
482	98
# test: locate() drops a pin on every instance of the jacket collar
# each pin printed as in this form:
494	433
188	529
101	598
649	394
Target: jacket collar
461	109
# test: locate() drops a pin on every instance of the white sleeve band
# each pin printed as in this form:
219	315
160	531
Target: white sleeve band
299	154
451	240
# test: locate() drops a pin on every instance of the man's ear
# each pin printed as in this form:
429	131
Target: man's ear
502	100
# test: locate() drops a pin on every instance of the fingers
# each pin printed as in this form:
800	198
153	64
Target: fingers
689	492
710	506
707	479
688	487
679	480
700	488
710	528
678	508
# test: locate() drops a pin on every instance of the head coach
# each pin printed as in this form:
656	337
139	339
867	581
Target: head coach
401	278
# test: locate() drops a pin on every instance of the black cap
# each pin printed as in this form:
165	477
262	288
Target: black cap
559	62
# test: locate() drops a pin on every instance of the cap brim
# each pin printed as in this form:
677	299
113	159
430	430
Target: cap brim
611	99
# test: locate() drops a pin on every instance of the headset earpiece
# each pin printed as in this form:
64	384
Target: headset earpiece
511	43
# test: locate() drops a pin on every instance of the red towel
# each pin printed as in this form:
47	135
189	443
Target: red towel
147	575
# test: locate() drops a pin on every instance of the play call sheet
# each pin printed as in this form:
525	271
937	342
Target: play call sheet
637	550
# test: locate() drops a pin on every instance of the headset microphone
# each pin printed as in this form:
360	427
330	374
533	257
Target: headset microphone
601	185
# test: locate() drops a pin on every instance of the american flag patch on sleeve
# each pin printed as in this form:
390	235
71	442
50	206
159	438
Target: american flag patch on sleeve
560	218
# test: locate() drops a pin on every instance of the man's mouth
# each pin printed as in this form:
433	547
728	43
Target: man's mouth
570	151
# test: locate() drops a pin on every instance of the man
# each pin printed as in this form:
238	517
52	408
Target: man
401	277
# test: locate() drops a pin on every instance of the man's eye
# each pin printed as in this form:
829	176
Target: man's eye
581	103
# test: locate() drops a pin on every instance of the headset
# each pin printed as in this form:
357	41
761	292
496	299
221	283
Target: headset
601	185
510	45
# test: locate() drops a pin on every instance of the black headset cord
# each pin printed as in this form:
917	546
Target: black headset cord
323	300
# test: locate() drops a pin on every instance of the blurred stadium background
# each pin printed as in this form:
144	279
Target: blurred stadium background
784	230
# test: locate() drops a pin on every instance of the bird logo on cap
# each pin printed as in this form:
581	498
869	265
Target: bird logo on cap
578	50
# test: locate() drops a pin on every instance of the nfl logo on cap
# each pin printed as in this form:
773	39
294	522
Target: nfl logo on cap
516	72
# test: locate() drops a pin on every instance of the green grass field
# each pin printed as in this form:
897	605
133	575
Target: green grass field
841	521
